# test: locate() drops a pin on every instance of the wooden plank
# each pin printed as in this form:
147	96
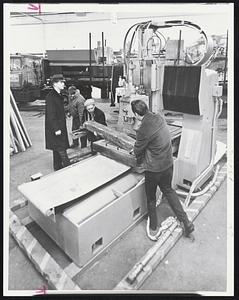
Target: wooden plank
71	183
18	135
14	105
24	138
27	220
161	247
19	203
77	154
72	270
118	138
12	139
114	152
118	154
41	259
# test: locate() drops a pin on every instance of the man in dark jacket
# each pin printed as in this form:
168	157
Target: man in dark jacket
92	113
55	124
153	148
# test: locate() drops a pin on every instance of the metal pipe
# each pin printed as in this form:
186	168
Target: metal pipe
179	46
103	62
210	184
225	67
220	107
90	57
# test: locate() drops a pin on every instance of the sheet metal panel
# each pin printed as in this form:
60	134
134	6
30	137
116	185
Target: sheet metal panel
101	198
72	182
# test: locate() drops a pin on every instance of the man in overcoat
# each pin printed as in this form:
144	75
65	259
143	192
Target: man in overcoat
55	124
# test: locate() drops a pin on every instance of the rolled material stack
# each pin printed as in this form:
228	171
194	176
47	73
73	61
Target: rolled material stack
19	138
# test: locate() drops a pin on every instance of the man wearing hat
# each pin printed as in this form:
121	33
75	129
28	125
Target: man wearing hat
55	124
76	108
92	113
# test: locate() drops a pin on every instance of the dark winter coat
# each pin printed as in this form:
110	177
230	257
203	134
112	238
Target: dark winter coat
98	116
55	120
153	143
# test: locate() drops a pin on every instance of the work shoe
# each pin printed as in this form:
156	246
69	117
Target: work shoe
188	229
152	232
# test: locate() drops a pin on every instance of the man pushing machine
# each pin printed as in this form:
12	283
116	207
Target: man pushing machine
154	150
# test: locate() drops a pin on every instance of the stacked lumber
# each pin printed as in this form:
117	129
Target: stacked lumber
19	138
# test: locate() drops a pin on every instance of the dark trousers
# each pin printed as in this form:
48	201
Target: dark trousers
83	141
75	126
164	181
60	159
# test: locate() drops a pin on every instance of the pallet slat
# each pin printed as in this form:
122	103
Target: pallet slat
41	259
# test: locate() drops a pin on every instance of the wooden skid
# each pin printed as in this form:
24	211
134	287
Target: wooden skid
44	263
63	279
192	211
118	138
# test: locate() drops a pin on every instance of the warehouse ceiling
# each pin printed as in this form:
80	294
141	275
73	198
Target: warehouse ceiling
31	18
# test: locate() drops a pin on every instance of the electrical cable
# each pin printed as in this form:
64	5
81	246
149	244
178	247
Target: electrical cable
165	41
125	39
204	190
210	166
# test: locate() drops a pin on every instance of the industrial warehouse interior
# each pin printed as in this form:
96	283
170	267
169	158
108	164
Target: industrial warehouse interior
118	157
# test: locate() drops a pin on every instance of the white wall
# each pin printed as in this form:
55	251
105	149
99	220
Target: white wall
37	38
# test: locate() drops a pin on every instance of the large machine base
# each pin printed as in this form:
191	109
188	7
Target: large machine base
86	227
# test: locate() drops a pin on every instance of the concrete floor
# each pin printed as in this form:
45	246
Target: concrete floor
189	267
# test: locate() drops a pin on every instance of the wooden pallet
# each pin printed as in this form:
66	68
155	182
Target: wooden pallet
63	278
